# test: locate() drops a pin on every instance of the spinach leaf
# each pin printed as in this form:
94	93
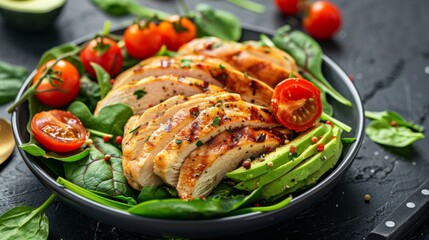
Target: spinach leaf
391	129
93	196
175	208
36	150
101	171
216	23
162	192
268	208
89	93
122	7
382	132
25	222
308	55
391	116
111	119
103	79
11	78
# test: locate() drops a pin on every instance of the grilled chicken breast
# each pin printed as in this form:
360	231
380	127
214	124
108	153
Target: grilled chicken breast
155	131
205	167
210	70
268	64
209	123
151	91
164	65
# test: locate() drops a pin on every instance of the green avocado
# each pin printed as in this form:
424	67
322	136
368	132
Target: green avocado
30	15
304	169
273	174
278	157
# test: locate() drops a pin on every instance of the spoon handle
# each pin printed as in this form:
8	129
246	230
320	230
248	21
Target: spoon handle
405	218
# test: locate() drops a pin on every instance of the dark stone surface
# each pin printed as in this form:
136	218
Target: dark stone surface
383	45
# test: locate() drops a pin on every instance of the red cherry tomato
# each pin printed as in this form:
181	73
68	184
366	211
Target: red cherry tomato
105	52
177	31
296	104
288	7
323	20
60	85
142	41
58	130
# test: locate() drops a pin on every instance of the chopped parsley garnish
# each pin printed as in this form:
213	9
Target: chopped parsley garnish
221	67
216	45
178	141
140	93
185	63
246	75
135	129
199	143
216	121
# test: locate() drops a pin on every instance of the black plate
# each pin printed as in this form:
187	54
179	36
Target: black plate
353	116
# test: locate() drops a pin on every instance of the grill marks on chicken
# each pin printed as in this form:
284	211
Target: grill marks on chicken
154	131
205	167
153	90
229	116
210	70
268	64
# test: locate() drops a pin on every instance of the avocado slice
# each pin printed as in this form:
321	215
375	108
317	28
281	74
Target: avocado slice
273	174
279	156
304	169
30	15
313	178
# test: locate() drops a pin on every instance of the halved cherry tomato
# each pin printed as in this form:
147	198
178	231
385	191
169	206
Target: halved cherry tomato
142	41
296	104
60	85
322	20
105	52
58	130
177	31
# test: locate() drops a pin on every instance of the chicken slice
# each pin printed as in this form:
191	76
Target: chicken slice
205	167
208	124
268	64
211	70
151	137
151	91
164	65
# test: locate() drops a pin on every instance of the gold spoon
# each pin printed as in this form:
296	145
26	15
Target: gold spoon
7	143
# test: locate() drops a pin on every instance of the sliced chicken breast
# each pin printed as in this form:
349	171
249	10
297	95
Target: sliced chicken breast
208	124
205	167
152	136
151	91
268	64
211	70
164	65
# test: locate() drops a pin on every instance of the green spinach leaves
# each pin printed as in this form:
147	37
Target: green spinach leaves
391	129
11	78
25	222
101	171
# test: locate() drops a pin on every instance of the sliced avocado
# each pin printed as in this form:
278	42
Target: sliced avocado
304	169
30	15
312	179
285	168
278	157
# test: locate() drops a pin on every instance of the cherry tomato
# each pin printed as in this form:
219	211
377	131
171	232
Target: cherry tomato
177	31
58	130
105	52
142	41
288	7
323	20
296	104
60	85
